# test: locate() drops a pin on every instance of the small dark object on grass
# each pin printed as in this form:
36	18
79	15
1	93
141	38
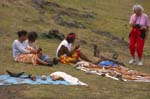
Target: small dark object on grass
55	34
50	62
103	75
119	77
115	56
96	51
14	74
55	61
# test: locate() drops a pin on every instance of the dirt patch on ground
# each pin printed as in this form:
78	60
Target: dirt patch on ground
112	37
12	92
64	16
54	34
70	24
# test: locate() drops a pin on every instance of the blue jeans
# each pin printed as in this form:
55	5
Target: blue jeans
44	57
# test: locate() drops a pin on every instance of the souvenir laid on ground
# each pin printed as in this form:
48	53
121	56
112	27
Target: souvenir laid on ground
43	77
111	70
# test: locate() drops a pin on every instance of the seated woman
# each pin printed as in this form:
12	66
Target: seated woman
21	52
67	55
32	36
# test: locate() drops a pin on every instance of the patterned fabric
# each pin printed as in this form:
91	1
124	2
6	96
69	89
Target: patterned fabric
116	73
67	60
27	58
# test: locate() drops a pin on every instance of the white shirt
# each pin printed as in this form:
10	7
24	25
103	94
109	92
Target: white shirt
19	48
63	43
31	45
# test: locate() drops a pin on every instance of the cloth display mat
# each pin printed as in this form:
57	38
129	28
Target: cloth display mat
115	72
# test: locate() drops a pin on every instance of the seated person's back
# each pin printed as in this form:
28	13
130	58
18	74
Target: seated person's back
19	45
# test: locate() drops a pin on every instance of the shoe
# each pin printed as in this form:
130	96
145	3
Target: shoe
14	74
55	61
140	63
103	74
49	64
132	61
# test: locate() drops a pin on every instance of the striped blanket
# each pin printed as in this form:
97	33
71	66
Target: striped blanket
114	72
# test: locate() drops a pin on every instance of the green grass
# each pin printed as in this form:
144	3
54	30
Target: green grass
109	15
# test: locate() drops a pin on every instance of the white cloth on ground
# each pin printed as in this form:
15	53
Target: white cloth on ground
68	78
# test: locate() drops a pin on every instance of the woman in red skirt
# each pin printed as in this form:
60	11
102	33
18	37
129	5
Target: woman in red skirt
139	31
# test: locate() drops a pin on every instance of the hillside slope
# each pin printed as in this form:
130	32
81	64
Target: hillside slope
100	22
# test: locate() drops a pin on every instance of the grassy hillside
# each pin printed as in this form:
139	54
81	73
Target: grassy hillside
101	22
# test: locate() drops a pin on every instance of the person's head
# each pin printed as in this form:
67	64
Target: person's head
32	36
138	9
71	37
22	35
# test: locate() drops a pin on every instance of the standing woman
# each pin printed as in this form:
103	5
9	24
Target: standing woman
139	31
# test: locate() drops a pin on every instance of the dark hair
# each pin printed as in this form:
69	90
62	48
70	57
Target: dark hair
21	33
32	36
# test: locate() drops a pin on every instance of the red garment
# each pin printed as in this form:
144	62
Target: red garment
136	42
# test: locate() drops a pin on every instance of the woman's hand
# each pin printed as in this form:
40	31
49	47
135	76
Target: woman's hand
77	47
33	51
136	17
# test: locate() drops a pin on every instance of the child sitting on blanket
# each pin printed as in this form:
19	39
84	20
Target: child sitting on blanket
32	36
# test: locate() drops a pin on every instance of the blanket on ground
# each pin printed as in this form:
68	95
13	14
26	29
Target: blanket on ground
115	72
7	80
